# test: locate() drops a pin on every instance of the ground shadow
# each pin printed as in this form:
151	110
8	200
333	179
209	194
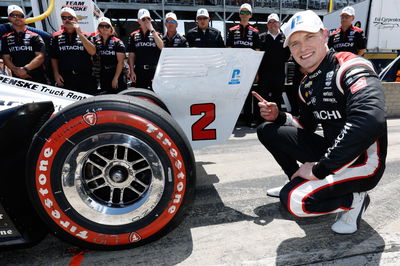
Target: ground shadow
320	244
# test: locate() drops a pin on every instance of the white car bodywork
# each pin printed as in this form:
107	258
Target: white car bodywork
203	88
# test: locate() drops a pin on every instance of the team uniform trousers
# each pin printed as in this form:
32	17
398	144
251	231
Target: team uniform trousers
106	77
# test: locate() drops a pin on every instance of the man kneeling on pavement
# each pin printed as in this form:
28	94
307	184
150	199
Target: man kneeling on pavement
342	92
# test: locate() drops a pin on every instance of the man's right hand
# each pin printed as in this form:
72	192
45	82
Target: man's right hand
59	80
268	110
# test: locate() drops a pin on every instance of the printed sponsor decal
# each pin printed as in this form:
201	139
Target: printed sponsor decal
358	85
235	80
134	237
90	119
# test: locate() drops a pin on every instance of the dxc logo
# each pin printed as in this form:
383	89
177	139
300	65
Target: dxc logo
235	77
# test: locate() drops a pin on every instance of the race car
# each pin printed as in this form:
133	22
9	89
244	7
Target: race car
115	171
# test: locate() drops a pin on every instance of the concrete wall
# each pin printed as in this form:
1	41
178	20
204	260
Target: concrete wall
392	98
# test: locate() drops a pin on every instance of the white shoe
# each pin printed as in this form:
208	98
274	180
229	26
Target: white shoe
274	192
350	220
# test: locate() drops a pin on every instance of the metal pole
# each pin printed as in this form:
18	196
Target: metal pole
307	4
163	16
224	24
280	9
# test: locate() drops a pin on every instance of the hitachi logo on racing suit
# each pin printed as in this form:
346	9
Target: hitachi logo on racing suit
327	115
20	48
346	44
71	47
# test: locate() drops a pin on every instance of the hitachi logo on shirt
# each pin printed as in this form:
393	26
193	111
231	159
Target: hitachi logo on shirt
71	48
106	52
20	48
245	43
327	115
145	44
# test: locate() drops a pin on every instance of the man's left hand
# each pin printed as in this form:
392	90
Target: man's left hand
305	171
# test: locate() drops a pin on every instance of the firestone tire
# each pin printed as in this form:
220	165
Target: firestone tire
147	95
111	172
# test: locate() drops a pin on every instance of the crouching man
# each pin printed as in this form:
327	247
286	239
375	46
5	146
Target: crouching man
341	92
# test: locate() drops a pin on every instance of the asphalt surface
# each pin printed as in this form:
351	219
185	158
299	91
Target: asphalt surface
233	222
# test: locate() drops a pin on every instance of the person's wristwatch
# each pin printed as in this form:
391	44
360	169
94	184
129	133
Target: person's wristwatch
26	69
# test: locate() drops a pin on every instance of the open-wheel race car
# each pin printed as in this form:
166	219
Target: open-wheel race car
114	171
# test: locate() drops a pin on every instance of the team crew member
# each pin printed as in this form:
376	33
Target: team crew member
144	49
70	52
172	38
111	51
244	35
343	93
203	35
272	68
23	50
348	38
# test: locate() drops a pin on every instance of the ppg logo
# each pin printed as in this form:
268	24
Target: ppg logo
295	21
235	79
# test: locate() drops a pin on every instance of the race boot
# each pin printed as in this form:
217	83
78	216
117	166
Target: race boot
350	220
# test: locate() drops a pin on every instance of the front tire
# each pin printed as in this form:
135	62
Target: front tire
111	172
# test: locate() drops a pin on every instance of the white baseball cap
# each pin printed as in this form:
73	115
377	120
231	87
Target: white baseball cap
246	6
143	13
202	12
104	20
69	11
12	8
171	15
302	21
273	16
349	11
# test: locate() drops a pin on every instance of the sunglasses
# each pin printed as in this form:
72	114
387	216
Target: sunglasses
17	16
104	26
67	17
272	22
144	19
171	21
202	18
242	12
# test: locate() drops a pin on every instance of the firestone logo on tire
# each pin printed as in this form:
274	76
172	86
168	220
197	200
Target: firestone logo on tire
134	237
90	119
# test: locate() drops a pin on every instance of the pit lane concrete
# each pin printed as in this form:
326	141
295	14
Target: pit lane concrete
233	222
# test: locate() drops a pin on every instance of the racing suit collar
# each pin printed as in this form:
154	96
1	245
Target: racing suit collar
326	62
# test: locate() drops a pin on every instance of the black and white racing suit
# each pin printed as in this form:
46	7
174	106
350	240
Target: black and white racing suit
345	96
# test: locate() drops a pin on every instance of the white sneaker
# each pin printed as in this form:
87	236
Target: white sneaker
350	220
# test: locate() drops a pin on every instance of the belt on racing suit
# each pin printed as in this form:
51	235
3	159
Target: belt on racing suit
146	67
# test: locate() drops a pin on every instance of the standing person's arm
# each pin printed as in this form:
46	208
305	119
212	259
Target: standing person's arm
220	41
120	49
54	55
157	37
131	48
229	39
361	43
131	62
118	70
56	72
89	46
18	71
39	49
